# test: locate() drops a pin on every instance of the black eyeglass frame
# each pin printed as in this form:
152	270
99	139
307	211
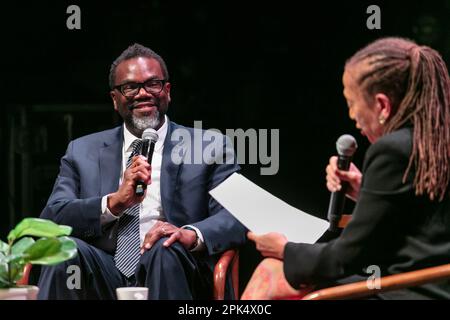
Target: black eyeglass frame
140	85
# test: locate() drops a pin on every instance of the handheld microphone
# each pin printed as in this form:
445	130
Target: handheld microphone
149	138
346	146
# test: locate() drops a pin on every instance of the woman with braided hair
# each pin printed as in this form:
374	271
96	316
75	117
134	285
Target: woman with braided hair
398	93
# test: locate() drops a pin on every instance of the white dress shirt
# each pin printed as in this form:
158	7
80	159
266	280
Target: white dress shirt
151	208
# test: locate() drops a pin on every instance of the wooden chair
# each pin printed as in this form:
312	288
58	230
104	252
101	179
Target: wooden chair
388	283
228	262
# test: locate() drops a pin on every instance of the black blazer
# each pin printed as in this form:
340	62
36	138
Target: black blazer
391	227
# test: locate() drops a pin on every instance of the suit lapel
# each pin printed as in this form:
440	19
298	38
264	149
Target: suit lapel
169	171
110	162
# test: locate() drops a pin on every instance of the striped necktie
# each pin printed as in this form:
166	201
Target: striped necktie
128	241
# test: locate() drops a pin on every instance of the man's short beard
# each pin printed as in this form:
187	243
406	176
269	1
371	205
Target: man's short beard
139	124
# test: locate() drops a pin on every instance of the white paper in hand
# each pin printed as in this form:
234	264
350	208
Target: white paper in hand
261	212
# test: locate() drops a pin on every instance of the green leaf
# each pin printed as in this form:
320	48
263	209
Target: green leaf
42	248
4	275
4	247
11	269
14	257
4	283
51	251
20	246
38	228
16	270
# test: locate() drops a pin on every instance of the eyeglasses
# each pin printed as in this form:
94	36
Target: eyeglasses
131	89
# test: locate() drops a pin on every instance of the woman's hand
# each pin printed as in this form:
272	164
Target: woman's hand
335	177
270	244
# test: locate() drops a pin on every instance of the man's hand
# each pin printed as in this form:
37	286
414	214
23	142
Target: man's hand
186	238
125	197
270	245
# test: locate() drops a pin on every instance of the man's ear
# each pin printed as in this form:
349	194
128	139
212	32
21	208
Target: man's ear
113	97
167	88
384	105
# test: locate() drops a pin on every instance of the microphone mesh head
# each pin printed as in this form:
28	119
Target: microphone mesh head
346	145
150	134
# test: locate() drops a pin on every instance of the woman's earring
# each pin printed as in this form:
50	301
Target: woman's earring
381	120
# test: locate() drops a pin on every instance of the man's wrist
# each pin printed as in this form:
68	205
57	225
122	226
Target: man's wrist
196	241
114	206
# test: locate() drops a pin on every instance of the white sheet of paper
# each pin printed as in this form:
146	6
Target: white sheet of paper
262	212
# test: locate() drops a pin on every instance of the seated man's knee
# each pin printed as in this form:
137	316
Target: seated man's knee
158	246
159	251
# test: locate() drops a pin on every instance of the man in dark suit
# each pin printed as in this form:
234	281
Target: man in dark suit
168	239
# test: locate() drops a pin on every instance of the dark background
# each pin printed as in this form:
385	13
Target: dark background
233	64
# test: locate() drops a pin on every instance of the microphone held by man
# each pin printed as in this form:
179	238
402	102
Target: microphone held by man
149	138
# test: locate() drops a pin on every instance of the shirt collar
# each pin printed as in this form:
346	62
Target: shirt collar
128	137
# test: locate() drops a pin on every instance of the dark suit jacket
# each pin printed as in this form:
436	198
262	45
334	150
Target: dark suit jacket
91	168
391	227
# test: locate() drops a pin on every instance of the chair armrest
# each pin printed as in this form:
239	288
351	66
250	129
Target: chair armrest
388	283
229	258
26	275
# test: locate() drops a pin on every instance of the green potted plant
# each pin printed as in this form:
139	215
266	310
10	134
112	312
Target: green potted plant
32	241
